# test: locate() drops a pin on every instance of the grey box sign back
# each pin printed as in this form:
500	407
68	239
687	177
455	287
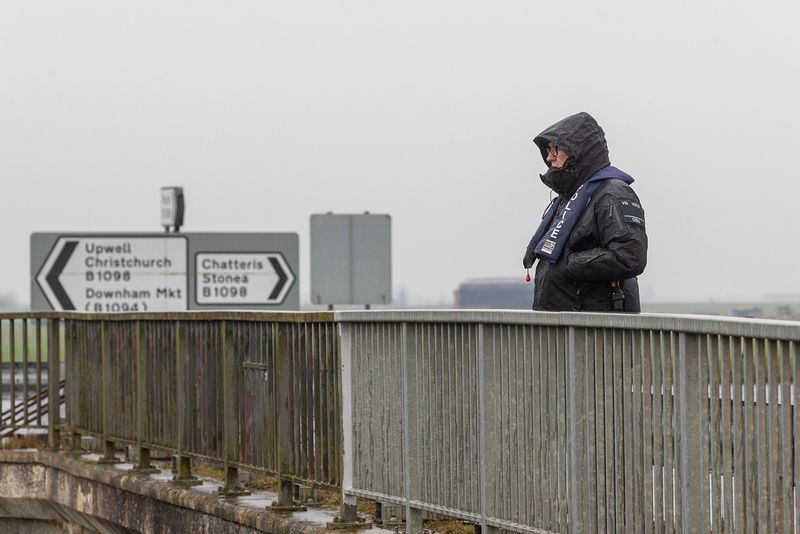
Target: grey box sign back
164	272
351	259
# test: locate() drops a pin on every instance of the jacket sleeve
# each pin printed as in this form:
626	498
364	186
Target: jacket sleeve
622	254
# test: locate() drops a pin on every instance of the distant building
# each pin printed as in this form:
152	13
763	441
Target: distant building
495	293
755	312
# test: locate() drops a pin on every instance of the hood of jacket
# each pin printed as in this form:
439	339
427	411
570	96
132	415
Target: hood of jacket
584	142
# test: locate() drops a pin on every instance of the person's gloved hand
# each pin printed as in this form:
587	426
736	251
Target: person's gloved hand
529	258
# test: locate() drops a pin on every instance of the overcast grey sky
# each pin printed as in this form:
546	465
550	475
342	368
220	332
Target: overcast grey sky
267	112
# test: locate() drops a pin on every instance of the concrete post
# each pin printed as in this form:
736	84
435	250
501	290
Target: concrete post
109	453
76	445
414	523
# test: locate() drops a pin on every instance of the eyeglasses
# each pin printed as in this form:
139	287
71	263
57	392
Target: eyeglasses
552	150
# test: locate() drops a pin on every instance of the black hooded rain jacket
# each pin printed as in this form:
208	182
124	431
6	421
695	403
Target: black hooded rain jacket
607	244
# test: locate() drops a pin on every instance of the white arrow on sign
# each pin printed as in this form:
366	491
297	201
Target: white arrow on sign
116	274
225	278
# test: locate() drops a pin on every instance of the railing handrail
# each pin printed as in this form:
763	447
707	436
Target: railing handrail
695	324
689	323
233	315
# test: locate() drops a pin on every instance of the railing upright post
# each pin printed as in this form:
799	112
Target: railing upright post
348	516
577	390
348	511
180	388
143	467
483	528
344	333
693	399
12	370
38	330
76	439
285	413
183	468
53	382
25	365
230	411
410	452
2	350
109	447
139	389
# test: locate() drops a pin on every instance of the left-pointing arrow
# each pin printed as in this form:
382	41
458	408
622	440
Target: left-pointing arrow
55	272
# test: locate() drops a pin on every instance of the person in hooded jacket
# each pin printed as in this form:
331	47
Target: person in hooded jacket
591	243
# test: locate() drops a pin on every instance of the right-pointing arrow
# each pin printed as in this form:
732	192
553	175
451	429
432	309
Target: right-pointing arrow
282	278
55	272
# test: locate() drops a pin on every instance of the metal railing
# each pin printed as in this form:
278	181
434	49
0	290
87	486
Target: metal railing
567	422
29	352
252	390
523	421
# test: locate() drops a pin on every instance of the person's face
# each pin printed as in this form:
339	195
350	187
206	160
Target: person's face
555	156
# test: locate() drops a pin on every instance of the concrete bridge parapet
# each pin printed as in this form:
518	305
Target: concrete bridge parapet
54	492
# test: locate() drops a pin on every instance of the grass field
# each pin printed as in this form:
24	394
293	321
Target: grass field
5	335
764	310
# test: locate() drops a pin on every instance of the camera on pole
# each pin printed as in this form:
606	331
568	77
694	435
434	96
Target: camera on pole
172	208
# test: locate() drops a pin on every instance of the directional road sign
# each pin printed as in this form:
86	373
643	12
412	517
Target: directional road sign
108	274
241	278
163	272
